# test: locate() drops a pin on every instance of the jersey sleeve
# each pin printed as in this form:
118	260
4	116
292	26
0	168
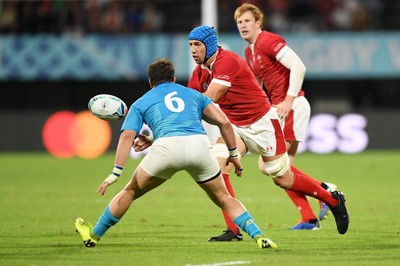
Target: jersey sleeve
133	120
272	45
206	101
226	70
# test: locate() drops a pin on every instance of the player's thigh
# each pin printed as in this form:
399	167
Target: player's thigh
142	182
264	137
166	157
201	162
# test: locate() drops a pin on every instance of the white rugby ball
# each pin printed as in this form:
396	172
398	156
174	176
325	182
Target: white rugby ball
107	107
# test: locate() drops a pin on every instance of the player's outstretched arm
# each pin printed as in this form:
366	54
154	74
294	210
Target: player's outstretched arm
125	143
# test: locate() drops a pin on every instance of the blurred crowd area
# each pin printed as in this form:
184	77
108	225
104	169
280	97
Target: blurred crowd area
154	16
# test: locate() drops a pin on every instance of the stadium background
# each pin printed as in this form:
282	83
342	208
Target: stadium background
56	55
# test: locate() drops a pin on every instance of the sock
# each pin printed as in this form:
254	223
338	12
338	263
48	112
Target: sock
302	204
248	225
230	224
305	184
105	222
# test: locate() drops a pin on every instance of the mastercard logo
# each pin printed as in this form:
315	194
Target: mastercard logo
67	134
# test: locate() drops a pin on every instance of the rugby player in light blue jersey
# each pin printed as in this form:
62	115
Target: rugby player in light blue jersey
174	113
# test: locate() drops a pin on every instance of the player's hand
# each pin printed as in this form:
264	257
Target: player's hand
142	143
284	108
238	165
103	188
111	179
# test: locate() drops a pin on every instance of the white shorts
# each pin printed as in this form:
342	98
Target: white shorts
190	153
212	131
296	123
265	136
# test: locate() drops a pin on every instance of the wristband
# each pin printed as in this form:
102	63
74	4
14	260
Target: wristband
113	177
117	170
233	152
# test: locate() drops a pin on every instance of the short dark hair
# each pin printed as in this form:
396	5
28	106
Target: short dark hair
161	70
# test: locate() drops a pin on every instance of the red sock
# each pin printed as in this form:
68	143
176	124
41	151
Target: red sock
302	204
307	185
231	225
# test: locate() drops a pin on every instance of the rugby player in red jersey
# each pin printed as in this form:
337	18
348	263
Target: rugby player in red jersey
281	72
227	79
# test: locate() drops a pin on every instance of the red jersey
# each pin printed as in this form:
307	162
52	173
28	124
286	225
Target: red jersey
245	102
270	71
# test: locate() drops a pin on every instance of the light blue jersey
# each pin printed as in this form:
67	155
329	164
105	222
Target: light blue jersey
169	110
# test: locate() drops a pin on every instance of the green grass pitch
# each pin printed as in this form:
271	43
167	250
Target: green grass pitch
41	197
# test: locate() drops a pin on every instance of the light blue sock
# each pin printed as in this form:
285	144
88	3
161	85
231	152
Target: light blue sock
105	222
247	224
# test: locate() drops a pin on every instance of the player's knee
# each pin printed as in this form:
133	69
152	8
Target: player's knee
261	166
283	182
277	167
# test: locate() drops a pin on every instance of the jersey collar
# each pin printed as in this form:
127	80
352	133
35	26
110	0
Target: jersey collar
212	63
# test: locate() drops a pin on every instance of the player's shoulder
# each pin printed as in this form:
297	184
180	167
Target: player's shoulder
269	42
227	57
269	39
182	89
267	35
226	53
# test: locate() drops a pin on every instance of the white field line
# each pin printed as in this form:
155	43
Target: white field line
222	263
